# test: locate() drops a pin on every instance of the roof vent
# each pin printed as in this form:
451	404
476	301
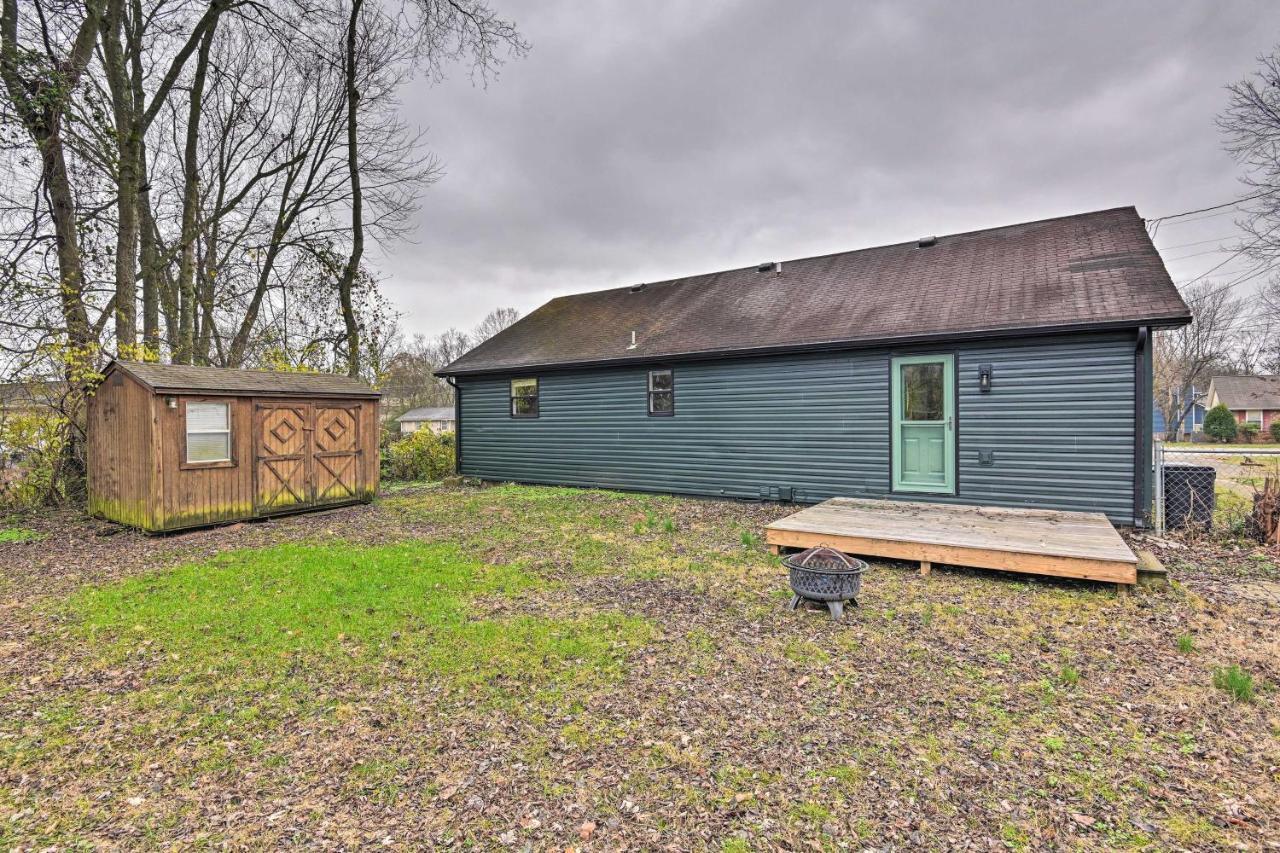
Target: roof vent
926	242
765	267
636	288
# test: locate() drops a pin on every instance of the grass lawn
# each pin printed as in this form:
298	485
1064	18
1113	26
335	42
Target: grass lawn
553	668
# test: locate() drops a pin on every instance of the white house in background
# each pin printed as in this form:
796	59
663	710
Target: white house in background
437	419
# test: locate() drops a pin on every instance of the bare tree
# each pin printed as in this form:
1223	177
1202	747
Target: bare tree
41	73
1185	358
1251	127
495	321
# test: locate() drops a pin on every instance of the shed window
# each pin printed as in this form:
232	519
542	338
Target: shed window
208	432
524	398
662	392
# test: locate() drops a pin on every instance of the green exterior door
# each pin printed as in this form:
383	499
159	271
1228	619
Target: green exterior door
924	446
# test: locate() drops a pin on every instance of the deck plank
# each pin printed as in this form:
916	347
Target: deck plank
1067	544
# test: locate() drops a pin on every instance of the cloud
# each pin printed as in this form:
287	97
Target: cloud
641	141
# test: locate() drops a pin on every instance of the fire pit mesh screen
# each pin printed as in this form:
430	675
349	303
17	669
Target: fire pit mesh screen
825	575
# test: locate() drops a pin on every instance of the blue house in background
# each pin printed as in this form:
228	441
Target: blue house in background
1193	423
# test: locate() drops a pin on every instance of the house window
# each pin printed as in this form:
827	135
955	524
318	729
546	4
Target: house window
524	398
208	432
1253	416
662	392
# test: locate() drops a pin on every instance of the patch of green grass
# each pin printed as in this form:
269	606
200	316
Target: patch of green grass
1069	676
288	608
1186	643
1234	681
750	540
811	812
1054	744
19	534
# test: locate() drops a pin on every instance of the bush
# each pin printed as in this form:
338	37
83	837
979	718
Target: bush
1220	424
31	448
421	455
1275	430
1248	430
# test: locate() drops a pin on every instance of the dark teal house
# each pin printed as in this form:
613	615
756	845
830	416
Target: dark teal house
1009	366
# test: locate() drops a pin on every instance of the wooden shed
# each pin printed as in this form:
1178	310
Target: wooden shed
175	446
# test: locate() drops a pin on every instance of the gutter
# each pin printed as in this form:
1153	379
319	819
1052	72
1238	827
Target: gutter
822	346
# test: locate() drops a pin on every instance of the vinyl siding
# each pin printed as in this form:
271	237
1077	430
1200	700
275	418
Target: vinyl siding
819	424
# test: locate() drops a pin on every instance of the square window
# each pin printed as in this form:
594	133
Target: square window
524	398
208	432
662	392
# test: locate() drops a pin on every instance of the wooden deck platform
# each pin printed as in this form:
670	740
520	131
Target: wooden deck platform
1043	542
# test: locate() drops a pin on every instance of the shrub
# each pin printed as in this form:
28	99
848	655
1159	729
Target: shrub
32	448
1248	430
1235	681
1275	430
421	455
1220	424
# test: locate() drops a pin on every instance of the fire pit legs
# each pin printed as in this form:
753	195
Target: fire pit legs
835	608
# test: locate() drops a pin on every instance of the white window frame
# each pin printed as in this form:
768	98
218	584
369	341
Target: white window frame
188	432
1249	416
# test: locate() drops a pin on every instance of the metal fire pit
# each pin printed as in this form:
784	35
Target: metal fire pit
826	576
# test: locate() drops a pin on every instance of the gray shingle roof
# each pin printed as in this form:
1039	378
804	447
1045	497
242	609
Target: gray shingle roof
220	380
427	413
1090	269
1248	392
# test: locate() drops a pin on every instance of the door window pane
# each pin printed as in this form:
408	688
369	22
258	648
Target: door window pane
922	390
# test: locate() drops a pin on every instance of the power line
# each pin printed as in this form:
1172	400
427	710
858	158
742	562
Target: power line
1198	242
1199	254
1210	207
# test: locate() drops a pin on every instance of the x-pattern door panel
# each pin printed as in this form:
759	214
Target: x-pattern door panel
337	452
282	456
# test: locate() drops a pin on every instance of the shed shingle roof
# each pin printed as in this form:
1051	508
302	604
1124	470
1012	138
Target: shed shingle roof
1248	392
222	380
1088	270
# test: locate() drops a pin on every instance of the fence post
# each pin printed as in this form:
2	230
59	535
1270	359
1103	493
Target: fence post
1157	514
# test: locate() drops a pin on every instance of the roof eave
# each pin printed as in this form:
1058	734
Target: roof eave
116	364
1171	322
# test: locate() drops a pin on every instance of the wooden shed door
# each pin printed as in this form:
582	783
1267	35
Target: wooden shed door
282	456
337	452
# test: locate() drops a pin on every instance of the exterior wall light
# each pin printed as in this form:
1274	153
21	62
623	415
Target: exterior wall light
171	402
984	378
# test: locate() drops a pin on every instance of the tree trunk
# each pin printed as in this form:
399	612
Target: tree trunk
124	112
190	207
346	282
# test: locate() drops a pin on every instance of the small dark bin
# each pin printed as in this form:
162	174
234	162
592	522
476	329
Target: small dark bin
1189	496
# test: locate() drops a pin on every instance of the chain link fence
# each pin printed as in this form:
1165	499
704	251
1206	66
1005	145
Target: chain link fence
1210	489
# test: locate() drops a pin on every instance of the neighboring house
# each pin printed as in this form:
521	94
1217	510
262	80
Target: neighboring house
30	397
1250	398
953	369
1191	424
437	419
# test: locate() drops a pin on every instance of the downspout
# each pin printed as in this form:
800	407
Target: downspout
457	424
1142	453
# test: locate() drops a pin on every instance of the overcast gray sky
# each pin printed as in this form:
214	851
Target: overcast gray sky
640	141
